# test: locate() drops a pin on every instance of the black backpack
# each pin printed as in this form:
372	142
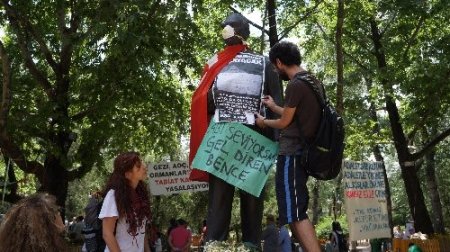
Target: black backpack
91	212
93	225
340	241
322	157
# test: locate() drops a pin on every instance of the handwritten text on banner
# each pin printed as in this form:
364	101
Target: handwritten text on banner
168	178
236	154
365	200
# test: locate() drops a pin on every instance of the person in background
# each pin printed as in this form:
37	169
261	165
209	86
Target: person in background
284	240
203	233
172	224
409	230
33	224
75	232
126	206
180	237
153	231
337	238
398	233
158	242
300	115
270	234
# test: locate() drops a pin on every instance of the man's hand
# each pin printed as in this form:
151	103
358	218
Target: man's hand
268	101
259	121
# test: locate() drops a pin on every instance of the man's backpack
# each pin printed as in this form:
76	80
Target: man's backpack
322	157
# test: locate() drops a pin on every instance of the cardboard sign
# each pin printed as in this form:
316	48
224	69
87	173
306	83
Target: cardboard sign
365	200
238	155
238	87
168	178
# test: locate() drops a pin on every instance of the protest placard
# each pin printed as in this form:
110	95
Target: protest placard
365	200
168	178
238	155
238	88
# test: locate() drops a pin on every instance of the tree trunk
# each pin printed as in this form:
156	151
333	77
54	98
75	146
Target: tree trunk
340	84
379	157
273	33
11	182
419	212
55	180
436	206
416	202
271	10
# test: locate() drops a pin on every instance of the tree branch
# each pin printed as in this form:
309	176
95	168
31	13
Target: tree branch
431	144
9	148
67	35
388	24
250	22
6	87
418	125
80	115
413	36
88	153
12	13
304	17
351	57
26	54
360	43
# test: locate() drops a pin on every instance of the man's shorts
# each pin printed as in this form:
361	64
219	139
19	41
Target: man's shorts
291	189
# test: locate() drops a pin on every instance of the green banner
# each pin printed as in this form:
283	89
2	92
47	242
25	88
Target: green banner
237	154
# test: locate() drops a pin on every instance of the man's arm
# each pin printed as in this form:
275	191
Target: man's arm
286	118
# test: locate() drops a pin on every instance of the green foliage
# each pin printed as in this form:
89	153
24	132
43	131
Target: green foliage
124	88
80	190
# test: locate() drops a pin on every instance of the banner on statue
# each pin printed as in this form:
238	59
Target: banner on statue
168	178
238	89
237	154
365	200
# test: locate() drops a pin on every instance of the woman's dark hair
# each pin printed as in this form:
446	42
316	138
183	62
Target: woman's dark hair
134	205
286	52
30	225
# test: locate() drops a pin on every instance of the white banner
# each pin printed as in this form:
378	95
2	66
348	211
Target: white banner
168	178
365	200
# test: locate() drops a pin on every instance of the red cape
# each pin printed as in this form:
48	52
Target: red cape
199	105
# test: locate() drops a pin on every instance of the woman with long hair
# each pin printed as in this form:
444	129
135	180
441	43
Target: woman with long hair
33	224
126	206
